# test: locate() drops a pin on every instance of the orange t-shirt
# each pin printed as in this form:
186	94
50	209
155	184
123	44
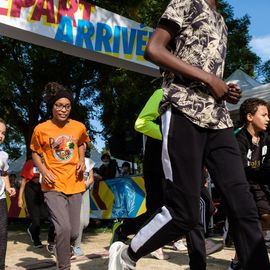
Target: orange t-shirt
59	147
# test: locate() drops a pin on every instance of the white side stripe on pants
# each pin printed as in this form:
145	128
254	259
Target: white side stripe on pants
150	229
166	163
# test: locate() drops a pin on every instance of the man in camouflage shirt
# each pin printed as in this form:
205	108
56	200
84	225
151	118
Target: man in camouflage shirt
189	43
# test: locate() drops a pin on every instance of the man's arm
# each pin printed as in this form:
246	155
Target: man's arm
157	52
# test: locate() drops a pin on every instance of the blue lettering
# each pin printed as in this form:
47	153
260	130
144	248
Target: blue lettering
116	40
85	31
64	31
104	34
128	41
141	42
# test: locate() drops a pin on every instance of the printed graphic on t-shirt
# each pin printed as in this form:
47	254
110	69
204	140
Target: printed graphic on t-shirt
35	170
201	41
63	147
253	157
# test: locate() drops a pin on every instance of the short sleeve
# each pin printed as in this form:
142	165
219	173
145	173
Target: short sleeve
36	144
28	170
176	12
83	137
3	161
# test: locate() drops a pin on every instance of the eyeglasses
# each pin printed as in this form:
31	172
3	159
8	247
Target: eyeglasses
60	107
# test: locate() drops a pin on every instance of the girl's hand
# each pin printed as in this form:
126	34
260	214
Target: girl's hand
80	167
11	191
48	177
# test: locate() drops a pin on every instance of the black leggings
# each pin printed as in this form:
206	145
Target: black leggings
36	207
3	232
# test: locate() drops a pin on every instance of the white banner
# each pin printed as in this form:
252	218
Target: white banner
78	28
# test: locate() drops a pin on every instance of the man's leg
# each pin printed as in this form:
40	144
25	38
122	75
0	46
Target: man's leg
225	166
182	154
196	248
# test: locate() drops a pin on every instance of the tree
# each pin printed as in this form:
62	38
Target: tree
264	71
25	69
114	94
239	54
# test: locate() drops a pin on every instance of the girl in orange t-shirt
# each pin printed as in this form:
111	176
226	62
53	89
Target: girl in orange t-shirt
60	142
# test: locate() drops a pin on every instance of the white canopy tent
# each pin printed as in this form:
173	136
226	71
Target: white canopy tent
250	88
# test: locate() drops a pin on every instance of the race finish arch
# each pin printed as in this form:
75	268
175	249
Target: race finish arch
78	28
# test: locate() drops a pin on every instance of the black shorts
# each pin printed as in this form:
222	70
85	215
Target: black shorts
261	198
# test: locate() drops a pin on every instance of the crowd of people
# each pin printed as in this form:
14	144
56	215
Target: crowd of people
189	134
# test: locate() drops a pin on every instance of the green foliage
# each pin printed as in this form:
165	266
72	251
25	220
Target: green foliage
265	71
25	69
239	54
114	95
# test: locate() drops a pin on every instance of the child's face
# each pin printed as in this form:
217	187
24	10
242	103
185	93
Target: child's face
61	109
2	132
260	119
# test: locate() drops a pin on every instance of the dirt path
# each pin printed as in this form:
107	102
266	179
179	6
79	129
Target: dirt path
21	255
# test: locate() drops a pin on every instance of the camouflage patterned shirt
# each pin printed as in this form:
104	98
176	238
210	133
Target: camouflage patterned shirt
201	42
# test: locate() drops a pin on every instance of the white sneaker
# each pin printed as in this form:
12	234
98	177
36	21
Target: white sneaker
267	236
159	254
179	245
115	260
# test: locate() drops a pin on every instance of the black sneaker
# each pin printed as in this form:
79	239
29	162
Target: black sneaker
37	244
235	265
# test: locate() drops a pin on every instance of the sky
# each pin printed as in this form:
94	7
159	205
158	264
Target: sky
259	12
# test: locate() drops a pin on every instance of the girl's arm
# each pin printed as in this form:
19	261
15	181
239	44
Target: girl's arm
90	179
47	175
81	164
11	191
21	191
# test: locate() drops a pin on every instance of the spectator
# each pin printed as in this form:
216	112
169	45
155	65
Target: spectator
108	169
254	143
125	169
